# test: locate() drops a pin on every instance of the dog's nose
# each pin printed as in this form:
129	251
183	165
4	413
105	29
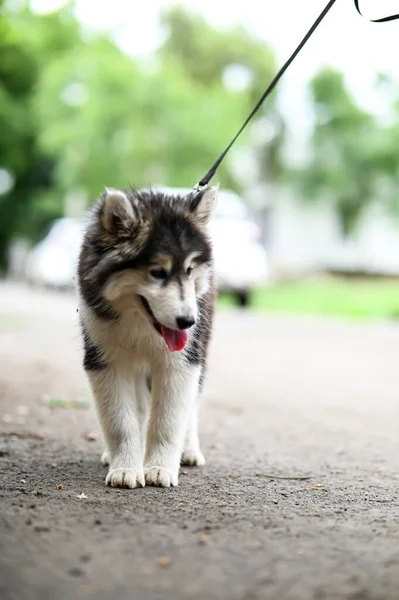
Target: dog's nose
185	322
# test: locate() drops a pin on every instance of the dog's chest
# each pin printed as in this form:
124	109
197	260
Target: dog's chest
130	341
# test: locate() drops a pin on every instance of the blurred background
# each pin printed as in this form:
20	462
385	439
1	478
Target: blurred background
110	94
299	498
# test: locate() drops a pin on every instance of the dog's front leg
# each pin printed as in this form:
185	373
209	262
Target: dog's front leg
174	391
117	408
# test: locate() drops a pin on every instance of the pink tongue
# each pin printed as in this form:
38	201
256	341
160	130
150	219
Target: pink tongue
176	340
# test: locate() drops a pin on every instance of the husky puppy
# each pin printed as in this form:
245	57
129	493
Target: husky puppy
147	296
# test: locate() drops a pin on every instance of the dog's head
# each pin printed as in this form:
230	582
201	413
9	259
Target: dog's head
149	251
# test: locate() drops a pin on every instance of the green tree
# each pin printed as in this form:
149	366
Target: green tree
353	157
110	121
82	115
206	54
19	163
26	43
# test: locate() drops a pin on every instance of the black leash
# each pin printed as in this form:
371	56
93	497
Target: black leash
383	20
206	179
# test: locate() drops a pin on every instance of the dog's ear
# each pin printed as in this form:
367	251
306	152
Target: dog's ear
117	215
203	203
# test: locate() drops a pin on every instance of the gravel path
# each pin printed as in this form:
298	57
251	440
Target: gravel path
299	499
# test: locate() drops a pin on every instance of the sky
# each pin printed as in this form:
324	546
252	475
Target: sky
344	39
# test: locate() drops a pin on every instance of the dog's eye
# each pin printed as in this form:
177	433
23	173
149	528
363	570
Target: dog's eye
189	271
159	273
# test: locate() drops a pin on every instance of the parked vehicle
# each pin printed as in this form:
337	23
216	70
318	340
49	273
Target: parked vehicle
240	259
52	262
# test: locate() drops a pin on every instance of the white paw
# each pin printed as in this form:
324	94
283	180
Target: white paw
105	458
125	477
160	477
193	457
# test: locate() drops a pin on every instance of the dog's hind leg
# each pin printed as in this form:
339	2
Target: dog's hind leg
192	454
106	458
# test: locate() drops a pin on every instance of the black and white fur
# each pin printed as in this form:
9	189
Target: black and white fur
146	262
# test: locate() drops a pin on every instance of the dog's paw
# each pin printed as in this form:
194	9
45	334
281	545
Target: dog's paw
193	458
125	477
160	477
105	458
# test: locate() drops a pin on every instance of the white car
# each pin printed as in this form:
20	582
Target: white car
240	259
52	262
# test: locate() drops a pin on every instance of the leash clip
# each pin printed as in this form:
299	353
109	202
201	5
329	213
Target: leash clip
198	188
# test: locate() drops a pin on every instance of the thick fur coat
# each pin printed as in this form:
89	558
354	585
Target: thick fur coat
147	297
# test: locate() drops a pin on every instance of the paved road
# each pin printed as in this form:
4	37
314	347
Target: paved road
285	399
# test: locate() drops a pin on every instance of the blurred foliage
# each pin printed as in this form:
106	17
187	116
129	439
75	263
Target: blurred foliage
206	54
354	158
25	44
78	114
19	153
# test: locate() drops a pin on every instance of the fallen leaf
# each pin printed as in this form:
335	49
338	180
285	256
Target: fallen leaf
41	493
89	590
42	529
164	561
81	496
184	472
53	465
203	539
59	486
217	446
317	486
355	593
24	435
22	481
289	478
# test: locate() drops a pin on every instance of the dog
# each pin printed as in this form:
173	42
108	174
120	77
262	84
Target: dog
146	304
